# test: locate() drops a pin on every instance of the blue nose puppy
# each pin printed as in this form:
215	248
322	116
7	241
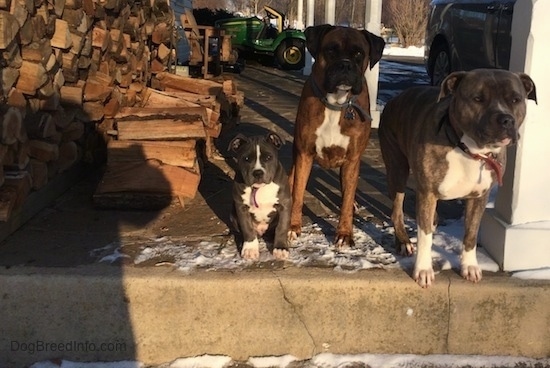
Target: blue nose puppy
261	196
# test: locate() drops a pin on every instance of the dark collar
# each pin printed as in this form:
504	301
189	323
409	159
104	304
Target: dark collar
453	137
350	106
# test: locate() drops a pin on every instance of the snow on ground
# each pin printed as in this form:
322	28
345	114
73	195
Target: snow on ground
327	360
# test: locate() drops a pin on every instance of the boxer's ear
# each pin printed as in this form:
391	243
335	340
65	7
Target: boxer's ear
314	36
529	86
237	142
376	47
274	139
449	84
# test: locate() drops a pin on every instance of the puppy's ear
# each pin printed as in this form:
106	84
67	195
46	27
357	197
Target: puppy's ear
314	36
529	86
376	47
237	143
449	84
274	139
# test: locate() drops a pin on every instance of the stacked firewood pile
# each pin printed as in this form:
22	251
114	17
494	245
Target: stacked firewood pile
74	76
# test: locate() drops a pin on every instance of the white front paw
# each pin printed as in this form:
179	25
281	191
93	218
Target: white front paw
251	250
280	254
470	270
424	277
292	235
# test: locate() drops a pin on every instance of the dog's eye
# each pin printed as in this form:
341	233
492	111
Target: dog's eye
516	100
268	157
478	99
247	158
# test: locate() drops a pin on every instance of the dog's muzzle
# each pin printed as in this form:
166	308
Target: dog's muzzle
343	73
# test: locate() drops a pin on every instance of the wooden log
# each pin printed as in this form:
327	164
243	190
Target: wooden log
37	52
40	125
100	38
68	156
43	151
154	178
31	77
39	173
9	27
61	38
161	129
17	156
93	111
176	153
96	91
71	95
199	86
73	132
11	125
8	77
13	193
133	113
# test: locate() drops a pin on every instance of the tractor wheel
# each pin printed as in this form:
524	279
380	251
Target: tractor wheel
291	54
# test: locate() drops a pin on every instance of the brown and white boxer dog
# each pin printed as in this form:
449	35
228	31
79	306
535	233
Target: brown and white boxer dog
453	139
333	121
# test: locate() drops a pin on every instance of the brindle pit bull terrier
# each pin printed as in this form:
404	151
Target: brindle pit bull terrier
454	140
333	121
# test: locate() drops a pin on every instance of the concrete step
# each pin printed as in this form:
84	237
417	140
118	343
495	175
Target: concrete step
156	314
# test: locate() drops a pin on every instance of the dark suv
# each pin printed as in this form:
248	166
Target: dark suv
467	34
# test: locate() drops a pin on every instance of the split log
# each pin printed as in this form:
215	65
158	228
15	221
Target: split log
162	129
11	124
43	151
31	77
199	86
178	153
154	177
39	173
62	38
9	26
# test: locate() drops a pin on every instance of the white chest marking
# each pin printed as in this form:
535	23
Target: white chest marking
262	202
465	176
328	134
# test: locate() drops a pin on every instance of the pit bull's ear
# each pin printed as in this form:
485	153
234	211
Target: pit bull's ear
274	139
237	142
529	86
376	47
449	84
314	36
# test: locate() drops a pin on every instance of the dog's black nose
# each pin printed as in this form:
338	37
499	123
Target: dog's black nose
258	174
344	66
506	120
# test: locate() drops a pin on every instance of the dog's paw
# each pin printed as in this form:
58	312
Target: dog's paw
280	253
344	240
406	249
469	266
471	273
293	235
424	277
251	250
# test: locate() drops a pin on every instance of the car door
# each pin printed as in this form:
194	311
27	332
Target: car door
474	24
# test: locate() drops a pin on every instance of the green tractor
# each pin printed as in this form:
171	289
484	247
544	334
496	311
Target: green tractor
266	39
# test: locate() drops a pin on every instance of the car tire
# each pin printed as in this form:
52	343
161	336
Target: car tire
441	64
291	54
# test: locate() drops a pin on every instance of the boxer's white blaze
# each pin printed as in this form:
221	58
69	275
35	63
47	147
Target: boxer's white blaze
261	203
329	134
257	163
465	174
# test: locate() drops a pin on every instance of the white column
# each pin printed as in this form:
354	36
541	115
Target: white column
373	18
517	231
310	21
330	11
300	15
